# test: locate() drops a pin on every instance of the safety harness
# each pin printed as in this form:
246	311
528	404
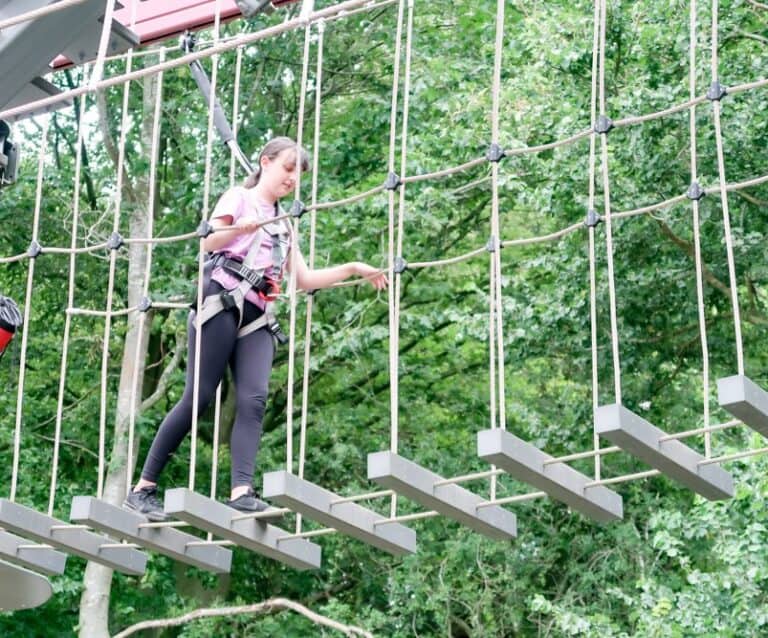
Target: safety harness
10	319
265	281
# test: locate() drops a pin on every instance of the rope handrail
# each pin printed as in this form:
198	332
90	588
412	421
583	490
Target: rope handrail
506	243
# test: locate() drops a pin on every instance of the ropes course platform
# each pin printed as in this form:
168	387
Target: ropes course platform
453	501
18	550
132	527
258	536
72	539
745	400
352	519
561	482
21	588
638	437
27	48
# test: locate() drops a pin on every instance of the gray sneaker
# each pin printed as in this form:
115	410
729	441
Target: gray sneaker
248	502
146	502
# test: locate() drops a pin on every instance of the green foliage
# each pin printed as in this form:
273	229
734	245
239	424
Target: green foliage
677	566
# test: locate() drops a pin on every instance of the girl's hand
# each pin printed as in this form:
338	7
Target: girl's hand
377	278
245	226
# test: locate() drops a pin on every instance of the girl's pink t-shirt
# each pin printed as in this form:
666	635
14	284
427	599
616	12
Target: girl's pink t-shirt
239	204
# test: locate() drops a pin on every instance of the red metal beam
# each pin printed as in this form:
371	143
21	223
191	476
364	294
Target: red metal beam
161	19
158	20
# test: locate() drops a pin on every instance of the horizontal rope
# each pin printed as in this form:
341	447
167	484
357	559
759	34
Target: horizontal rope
263	514
449	260
313	532
550	145
415	265
582	455
468	477
518	498
733	457
405	517
34	14
637	119
622	479
412	179
348	200
704	430
361	497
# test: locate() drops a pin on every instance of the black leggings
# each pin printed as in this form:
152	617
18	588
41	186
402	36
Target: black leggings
250	359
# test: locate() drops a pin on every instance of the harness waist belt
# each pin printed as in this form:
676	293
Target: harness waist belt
252	276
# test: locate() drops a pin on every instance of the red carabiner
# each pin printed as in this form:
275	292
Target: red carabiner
272	291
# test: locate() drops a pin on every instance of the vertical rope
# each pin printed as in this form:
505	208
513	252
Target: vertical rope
312	226
592	265
106	34
306	9
607	208
724	199
697	231
393	362
401	211
70	304
28	299
232	169
496	303
235	114
492	342
111	282
124	124
201	253
142	318
495	222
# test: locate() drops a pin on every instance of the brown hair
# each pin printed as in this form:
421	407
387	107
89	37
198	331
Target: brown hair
272	149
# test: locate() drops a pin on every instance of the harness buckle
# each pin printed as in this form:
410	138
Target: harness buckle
251	276
277	332
227	301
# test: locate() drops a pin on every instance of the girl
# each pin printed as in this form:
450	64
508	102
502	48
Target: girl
249	262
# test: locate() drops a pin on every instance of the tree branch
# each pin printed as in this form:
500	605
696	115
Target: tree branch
752	199
86	173
109	143
688	248
738	33
165	377
268	606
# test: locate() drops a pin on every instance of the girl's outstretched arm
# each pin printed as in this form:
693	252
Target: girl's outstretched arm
313	279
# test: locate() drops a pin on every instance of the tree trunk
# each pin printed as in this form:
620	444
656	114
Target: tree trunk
97	581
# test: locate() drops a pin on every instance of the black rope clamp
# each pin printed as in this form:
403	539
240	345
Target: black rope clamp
400	265
204	229
493	244
716	91
603	124
592	219
34	249
115	241
392	182
187	42
695	191
495	153
298	208
145	304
